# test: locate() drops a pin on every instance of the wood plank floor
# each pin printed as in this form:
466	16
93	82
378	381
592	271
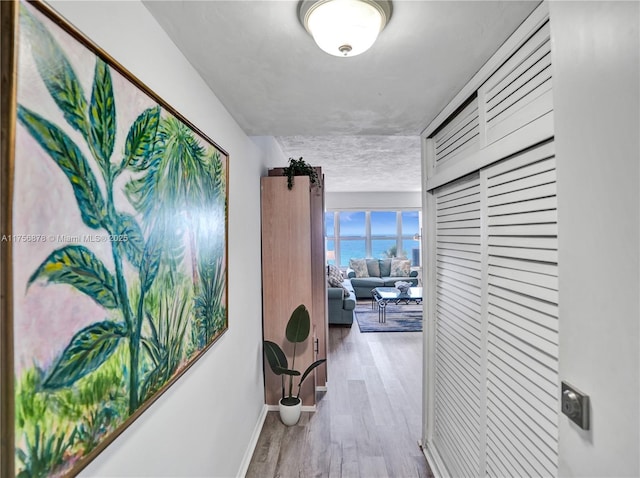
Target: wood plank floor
368	422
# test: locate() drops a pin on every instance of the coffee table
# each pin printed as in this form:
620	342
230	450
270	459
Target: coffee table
382	296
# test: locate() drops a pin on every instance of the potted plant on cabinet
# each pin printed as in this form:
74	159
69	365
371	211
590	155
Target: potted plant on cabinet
297	331
299	167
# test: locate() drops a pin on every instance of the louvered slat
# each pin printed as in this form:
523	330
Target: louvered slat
537	217
506	399
522	315
549	256
459	135
532	266
529	74
458	326
542	365
519	92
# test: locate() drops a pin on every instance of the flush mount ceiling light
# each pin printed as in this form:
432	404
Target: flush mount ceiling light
344	27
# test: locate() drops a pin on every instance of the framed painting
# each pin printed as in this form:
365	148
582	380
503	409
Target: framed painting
113	245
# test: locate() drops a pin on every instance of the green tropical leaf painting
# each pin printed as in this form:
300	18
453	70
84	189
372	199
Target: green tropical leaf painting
88	349
138	149
102	116
56	72
130	239
72	162
155	189
150	264
80	268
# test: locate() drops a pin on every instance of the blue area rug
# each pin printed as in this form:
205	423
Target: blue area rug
400	318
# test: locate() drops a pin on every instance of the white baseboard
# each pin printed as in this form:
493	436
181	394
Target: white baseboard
321	388
436	464
248	454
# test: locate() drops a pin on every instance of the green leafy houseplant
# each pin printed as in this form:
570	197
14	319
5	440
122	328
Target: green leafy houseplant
297	331
299	167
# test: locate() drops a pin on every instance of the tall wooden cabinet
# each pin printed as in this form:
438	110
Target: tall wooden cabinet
293	273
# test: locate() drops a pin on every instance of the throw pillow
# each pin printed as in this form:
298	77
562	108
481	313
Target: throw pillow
385	267
400	267
373	267
334	276
359	266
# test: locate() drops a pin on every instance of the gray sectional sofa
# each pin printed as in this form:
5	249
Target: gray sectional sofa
341	302
379	271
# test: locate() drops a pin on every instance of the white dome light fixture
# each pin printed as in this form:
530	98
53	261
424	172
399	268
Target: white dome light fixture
344	27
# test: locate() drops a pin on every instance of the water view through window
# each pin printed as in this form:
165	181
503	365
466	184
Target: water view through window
373	234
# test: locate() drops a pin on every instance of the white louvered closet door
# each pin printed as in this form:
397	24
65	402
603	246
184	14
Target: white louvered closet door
496	320
522	315
458	323
521	90
460	136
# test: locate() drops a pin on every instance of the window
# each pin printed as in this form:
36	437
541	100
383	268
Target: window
373	234
411	235
384	234
352	235
329	228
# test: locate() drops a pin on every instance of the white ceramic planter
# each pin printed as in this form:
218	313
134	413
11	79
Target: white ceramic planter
290	414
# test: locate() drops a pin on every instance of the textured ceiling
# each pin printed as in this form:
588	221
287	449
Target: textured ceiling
361	163
336	112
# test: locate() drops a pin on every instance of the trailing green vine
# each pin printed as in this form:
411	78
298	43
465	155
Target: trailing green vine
299	167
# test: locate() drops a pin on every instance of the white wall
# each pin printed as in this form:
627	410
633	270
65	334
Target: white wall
596	101
373	200
202	425
271	153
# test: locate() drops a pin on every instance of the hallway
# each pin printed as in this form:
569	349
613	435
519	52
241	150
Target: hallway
367	423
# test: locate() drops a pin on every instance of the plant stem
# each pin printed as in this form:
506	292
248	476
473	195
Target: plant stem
136	340
293	367
128	317
133	329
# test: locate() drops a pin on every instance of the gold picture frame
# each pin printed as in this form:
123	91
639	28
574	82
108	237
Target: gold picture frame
113	248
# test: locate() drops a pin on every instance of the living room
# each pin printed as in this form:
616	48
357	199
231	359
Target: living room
206	423
380	238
